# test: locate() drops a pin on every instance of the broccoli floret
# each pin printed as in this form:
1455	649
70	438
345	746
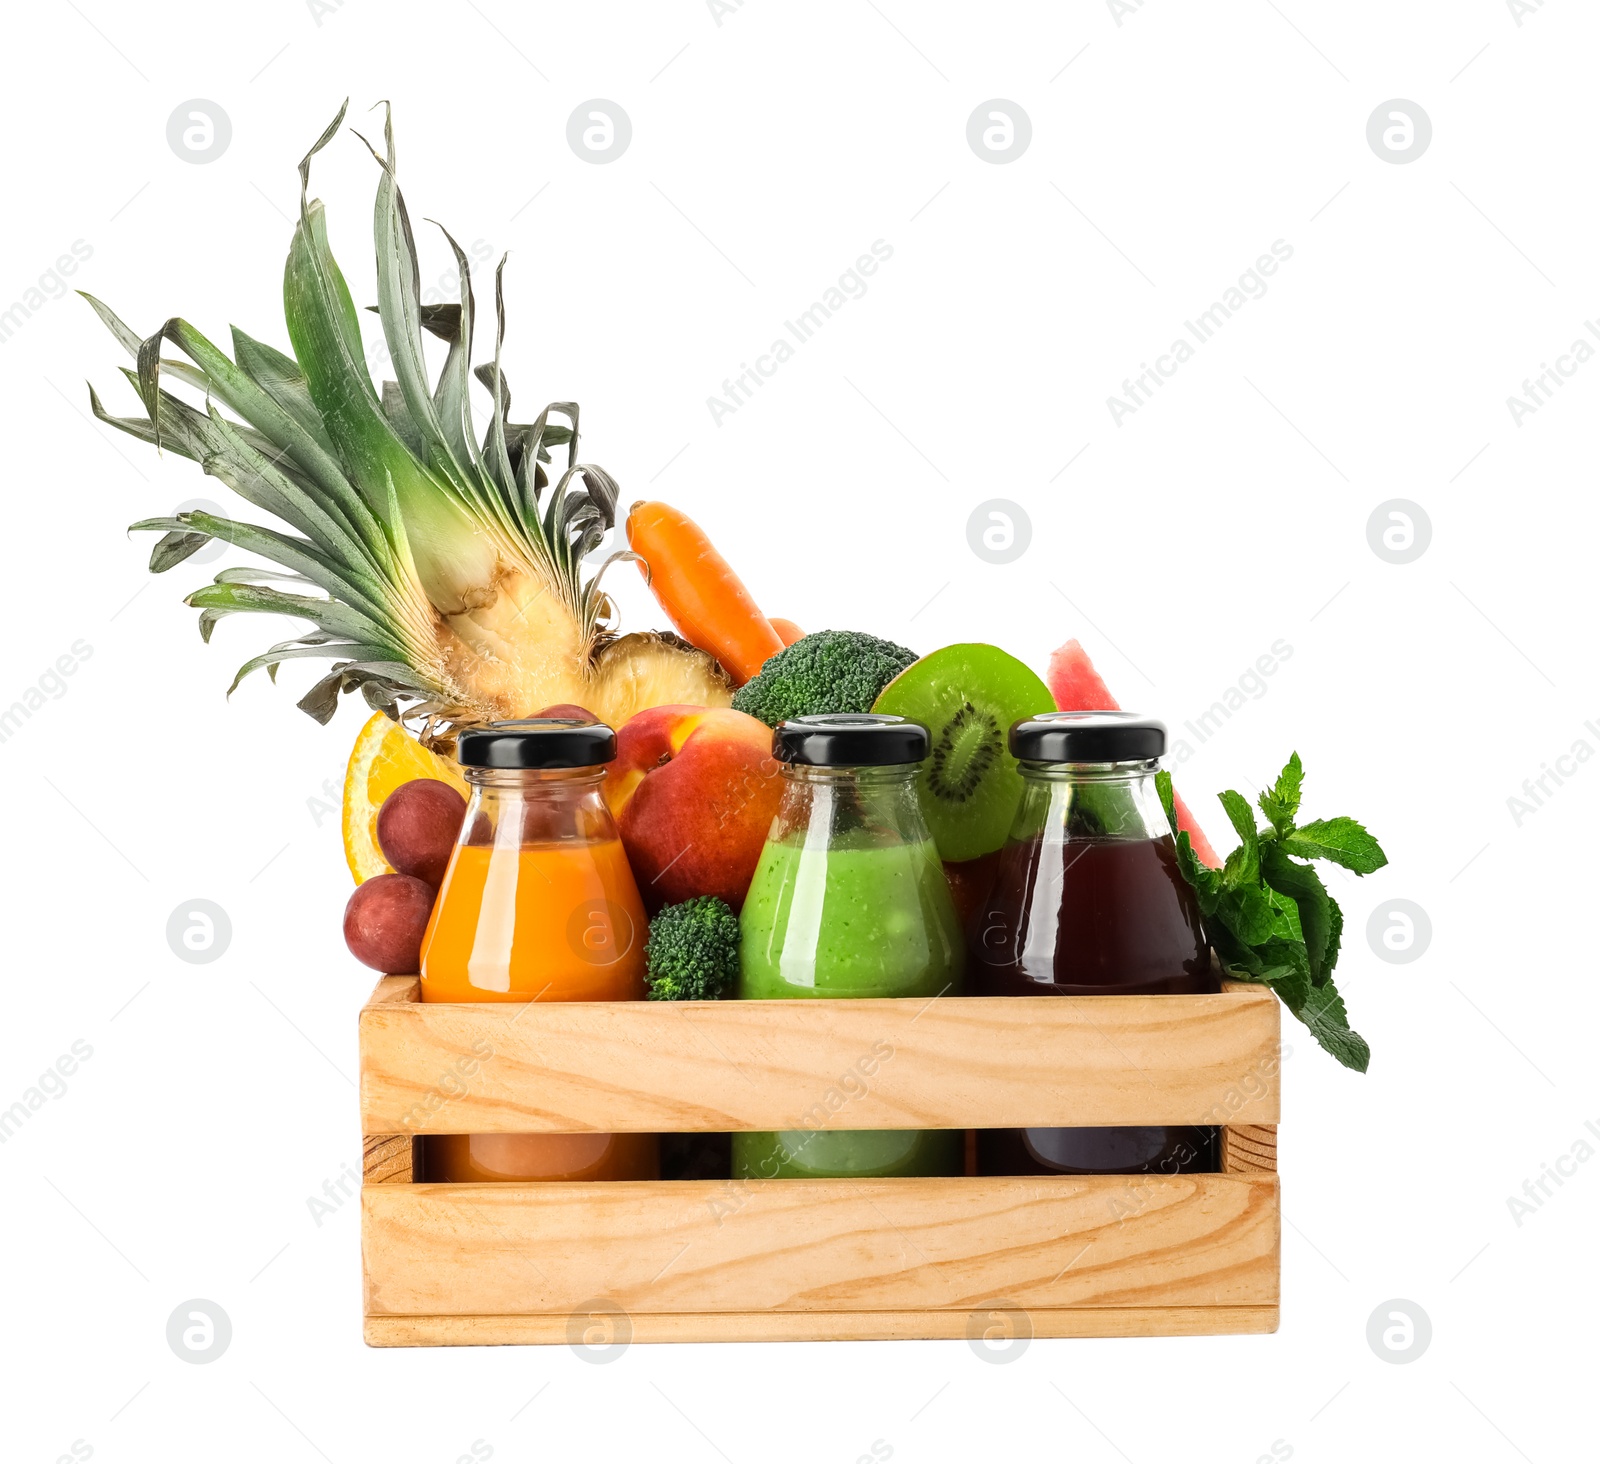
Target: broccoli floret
693	951
827	671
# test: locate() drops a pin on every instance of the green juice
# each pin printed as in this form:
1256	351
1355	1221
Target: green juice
845	920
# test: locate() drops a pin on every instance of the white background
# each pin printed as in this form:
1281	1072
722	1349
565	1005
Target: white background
768	152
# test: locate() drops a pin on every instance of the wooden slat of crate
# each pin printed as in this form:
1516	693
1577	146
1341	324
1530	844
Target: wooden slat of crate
647	1067
1115	1321
822	1246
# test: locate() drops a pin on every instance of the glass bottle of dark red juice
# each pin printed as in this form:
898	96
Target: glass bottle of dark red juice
1088	900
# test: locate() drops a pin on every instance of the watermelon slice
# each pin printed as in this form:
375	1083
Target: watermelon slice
1077	687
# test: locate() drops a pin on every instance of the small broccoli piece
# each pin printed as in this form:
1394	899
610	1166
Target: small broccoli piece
827	671
693	951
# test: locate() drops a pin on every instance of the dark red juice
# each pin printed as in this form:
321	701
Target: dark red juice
1080	917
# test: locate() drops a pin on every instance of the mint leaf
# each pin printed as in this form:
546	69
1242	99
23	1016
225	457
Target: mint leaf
1302	884
1293	988
1269	917
1341	840
1237	958
1330	957
1289	955
1205	881
1288	978
1248	913
1259	917
1239	871
1281	802
1164	792
1243	866
1326	1019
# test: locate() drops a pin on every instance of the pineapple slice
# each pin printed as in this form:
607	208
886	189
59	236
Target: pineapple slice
653	669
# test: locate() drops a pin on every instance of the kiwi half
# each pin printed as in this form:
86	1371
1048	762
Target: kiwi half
967	696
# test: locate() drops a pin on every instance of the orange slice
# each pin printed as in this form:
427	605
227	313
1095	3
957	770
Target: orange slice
384	757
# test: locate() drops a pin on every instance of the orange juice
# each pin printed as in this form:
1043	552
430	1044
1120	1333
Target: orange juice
538	904
540	1156
558	921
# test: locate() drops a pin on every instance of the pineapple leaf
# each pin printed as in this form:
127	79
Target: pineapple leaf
327	344
186	372
399	307
291	651
295	505
262	445
299	556
530	476
455	559
486	379
222	378
175	547
385	678
348	582
256	574
129	338
282	379
603	491
394	408
443	321
189	433
327	615
319	274
539	436
451	398
494	442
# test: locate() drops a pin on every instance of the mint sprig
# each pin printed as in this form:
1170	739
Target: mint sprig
1267	913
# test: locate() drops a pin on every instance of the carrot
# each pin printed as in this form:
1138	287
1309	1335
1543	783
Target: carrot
788	631
703	597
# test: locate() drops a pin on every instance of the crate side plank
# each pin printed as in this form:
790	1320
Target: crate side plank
1114	1321
393	989
388	1158
1250	1149
685	1067
822	1245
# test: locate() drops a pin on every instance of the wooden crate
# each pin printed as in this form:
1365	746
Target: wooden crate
764	1260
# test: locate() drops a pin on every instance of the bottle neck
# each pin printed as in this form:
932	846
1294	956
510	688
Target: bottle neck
1080	772
511	808
861	777
850	808
1105	801
532	782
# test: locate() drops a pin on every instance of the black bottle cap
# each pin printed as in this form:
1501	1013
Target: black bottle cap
536	743
849	740
1088	737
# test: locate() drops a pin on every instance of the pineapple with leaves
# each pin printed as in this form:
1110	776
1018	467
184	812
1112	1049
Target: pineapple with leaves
441	573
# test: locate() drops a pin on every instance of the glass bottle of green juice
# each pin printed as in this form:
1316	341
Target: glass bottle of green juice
849	899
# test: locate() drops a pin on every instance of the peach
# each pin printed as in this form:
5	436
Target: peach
694	791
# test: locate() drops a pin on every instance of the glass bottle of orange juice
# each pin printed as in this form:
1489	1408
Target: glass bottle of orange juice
537	904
